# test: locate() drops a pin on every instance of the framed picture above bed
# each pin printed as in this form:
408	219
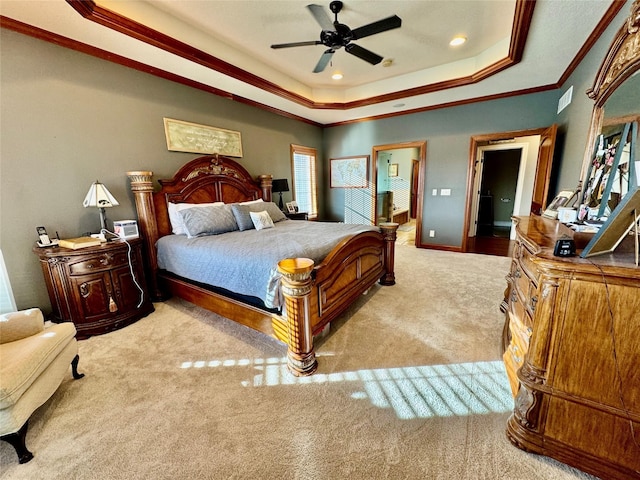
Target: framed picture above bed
194	138
349	172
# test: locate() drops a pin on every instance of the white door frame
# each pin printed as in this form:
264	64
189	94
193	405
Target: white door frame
523	192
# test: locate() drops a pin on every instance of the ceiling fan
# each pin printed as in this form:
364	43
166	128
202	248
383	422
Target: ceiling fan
336	35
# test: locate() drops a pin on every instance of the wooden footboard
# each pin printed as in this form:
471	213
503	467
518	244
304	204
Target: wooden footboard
314	294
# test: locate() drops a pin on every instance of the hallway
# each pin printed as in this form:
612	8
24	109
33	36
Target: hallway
497	244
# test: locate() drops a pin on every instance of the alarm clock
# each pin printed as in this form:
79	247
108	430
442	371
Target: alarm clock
564	247
126	228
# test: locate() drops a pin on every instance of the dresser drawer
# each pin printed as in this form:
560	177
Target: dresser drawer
523	282
520	306
105	261
524	258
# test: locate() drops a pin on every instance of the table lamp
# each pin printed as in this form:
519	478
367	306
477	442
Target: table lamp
99	196
278	186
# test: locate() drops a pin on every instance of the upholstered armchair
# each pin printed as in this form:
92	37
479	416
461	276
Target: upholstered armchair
33	362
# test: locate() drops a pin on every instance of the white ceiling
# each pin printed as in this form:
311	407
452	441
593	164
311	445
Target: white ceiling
240	32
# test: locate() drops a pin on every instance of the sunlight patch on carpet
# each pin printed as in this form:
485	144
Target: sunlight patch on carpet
425	391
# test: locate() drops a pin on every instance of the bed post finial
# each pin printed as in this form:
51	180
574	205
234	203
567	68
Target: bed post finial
296	288
388	230
265	184
142	188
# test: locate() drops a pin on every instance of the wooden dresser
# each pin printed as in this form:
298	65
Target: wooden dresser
95	287
572	352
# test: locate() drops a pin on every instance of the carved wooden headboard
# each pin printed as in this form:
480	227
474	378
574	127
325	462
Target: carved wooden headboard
211	178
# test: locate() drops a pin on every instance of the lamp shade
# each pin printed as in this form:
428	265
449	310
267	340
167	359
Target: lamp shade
99	196
280	185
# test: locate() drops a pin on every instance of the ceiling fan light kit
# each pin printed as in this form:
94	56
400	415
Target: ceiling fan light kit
336	35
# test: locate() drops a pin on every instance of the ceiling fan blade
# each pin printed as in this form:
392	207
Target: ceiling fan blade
321	16
376	27
324	61
363	53
296	44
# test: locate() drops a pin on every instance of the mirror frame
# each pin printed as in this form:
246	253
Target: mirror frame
622	61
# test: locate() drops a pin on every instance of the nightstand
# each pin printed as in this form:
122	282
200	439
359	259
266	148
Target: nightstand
95	287
297	215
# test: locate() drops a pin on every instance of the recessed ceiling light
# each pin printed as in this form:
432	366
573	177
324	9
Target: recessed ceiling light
457	40
337	76
387	62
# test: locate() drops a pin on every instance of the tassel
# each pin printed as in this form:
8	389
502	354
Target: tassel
112	305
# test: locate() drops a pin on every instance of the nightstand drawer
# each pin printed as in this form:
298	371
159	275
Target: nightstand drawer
105	261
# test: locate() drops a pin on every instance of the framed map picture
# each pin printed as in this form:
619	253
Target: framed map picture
349	172
194	138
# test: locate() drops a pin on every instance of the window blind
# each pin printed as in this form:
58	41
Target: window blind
304	179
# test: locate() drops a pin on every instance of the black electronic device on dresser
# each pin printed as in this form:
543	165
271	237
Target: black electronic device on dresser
99	288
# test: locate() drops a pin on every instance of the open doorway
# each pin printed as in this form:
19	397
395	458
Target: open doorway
398	189
498	183
509	174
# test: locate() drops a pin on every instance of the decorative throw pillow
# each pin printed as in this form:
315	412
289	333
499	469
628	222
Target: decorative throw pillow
274	211
177	225
261	220
211	220
241	214
243	219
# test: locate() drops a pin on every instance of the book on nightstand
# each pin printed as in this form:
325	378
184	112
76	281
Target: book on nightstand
80	242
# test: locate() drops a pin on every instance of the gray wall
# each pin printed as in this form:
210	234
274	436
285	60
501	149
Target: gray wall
447	132
69	119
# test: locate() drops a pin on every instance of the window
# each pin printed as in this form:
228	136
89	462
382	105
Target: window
303	167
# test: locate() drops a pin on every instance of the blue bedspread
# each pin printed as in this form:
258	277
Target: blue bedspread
246	262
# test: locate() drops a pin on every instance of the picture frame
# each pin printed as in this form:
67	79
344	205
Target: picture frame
563	199
393	170
190	137
292	207
349	172
618	225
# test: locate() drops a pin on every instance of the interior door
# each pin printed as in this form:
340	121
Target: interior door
415	172
543	169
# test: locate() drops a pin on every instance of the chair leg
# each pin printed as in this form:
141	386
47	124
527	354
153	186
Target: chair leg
74	368
18	441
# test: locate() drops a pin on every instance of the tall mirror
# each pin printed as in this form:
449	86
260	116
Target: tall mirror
611	168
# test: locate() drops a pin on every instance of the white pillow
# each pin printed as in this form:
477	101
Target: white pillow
252	201
261	220
177	223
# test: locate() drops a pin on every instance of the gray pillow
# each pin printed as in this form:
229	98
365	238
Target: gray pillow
210	220
243	217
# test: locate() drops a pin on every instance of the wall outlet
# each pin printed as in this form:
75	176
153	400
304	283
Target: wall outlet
434	192
445	192
432	233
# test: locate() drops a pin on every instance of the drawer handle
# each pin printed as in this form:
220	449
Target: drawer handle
84	290
534	302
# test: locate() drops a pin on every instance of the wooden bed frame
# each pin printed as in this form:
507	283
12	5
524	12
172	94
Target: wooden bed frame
314	294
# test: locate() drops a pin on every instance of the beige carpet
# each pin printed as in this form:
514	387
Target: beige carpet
409	386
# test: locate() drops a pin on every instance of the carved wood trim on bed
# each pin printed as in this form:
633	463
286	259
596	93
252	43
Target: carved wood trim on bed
314	294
